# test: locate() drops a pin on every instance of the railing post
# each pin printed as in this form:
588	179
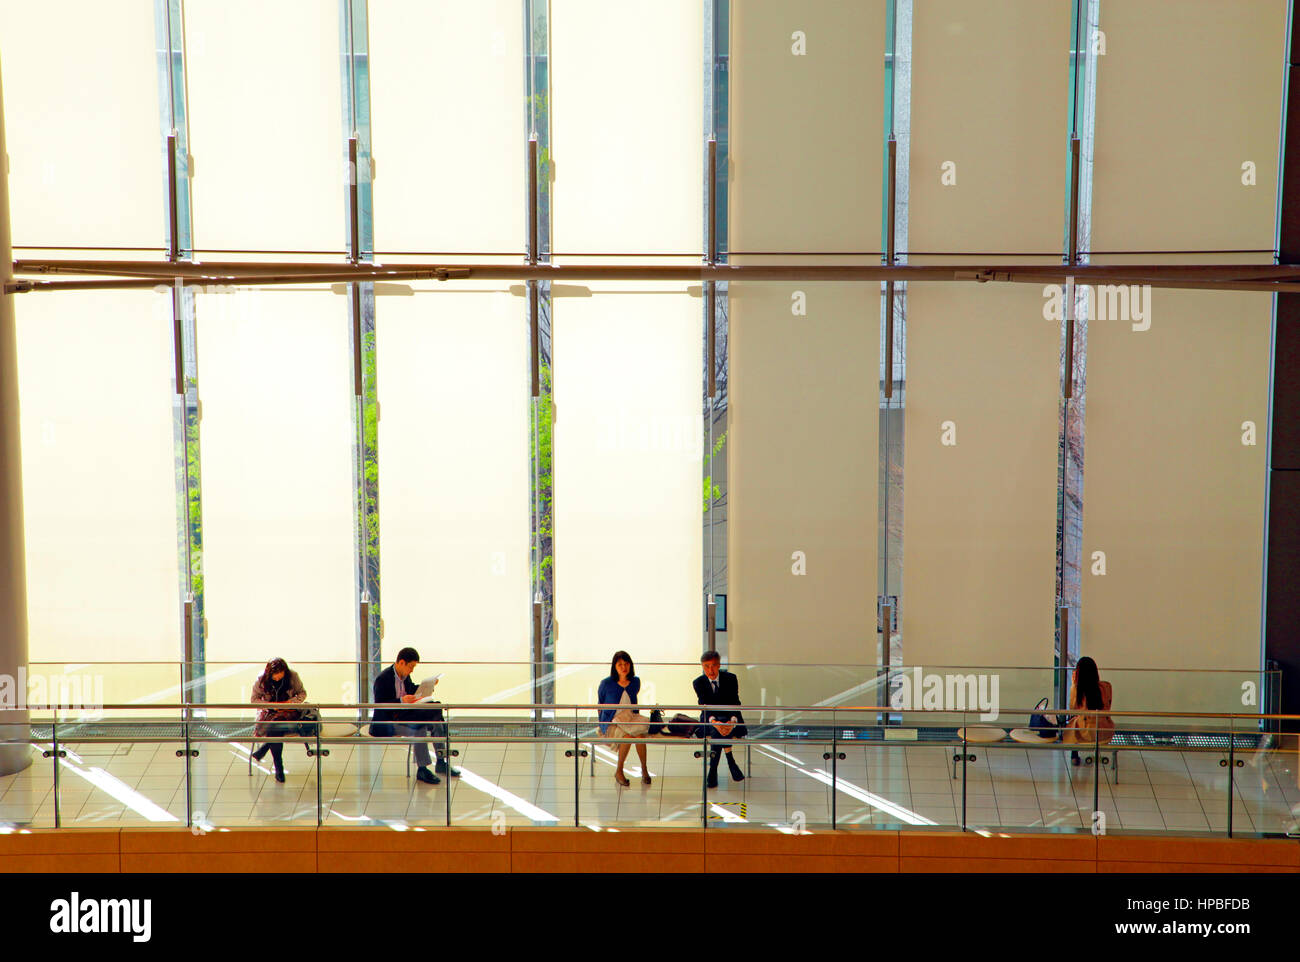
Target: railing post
320	806
54	738
965	756
1096	764
189	771
835	772
446	754
704	781
1231	779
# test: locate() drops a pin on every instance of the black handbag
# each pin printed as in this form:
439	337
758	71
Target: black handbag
657	725
308	722
681	726
1045	726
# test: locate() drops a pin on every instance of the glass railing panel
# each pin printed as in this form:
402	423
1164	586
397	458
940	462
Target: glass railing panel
515	769
26	796
120	773
1266	781
1163	780
898	775
372	781
855	768
674	797
1002	788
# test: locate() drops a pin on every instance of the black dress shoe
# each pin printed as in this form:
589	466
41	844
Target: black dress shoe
422	774
442	768
279	776
261	752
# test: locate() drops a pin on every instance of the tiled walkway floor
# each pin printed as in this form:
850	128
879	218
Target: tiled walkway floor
789	783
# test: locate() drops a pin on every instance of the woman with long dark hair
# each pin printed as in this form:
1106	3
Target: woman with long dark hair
278	684
621	689
1089	693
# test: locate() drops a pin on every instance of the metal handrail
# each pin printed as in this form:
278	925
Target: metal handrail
687	664
528	706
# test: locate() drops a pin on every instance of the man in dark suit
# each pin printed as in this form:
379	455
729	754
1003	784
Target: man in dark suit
394	686
719	688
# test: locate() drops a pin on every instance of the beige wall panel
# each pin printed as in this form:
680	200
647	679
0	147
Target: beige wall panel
1173	497
447	127
82	129
807	130
1187	93
996	106
979	519
803	462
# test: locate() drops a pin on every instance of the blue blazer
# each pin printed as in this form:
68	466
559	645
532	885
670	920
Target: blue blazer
611	693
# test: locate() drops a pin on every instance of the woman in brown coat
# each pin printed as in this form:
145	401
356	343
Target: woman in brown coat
1089	692
277	684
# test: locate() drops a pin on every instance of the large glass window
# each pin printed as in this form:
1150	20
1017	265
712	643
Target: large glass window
980	468
987	170
97	387
807	101
628	504
803	450
86	161
265	111
447	88
453	484
276	377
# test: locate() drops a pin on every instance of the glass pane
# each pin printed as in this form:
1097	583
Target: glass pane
453	485
980	467
1174	497
275	379
105	784
1006	185
270	157
806	126
802	470
1175	125
447	109
628	499
86	160
626	127
96	378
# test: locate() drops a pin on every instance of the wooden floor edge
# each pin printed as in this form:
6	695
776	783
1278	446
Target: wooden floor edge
553	849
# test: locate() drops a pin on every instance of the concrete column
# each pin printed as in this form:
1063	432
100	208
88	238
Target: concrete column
13	566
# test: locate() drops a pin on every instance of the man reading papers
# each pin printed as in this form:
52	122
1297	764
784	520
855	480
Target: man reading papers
394	686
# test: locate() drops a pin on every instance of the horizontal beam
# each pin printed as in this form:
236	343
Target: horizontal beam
144	274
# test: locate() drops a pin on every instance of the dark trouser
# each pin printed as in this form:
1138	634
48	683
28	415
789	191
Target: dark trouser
275	748
423	757
427	722
740	731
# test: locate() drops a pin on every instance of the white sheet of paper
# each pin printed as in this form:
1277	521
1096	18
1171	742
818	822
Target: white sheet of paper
425	691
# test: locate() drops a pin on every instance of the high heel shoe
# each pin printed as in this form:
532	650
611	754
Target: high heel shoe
645	778
621	779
